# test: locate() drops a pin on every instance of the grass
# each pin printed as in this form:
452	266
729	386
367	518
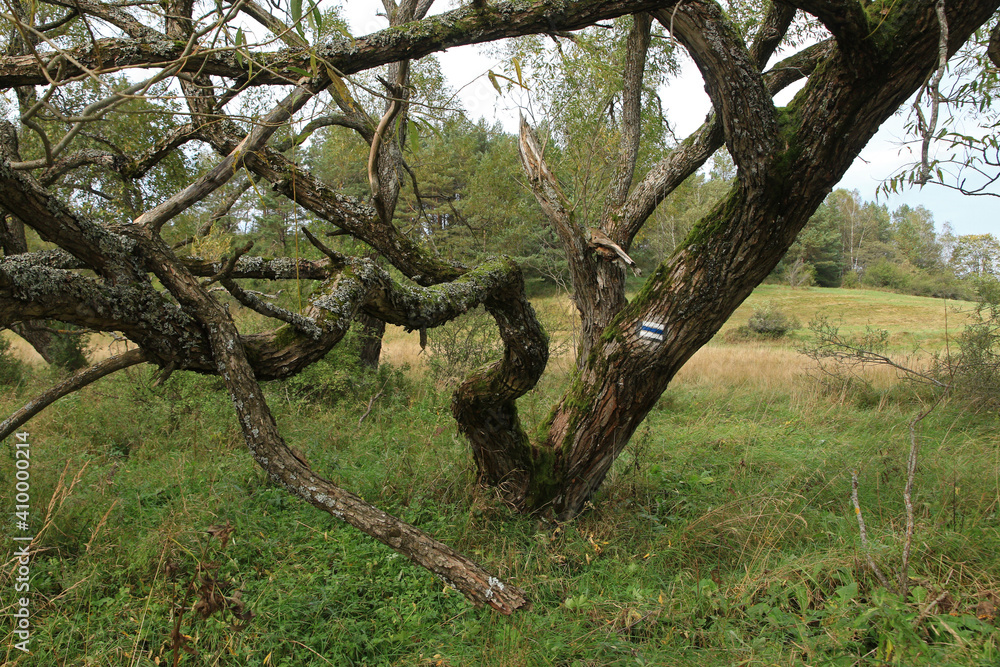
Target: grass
724	534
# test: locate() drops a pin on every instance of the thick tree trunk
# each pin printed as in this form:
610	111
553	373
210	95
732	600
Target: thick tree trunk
788	161
372	330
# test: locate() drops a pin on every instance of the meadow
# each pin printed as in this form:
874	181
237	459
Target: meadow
725	535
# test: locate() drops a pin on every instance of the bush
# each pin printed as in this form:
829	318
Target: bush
884	274
975	370
341	374
11	368
463	345
68	350
972	372
908	279
768	321
851	280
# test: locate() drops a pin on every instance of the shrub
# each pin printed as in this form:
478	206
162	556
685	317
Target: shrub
974	371
67	347
884	274
851	280
463	345
341	374
800	274
767	321
11	368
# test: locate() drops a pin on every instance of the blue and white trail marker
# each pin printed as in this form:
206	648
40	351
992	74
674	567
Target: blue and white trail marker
651	331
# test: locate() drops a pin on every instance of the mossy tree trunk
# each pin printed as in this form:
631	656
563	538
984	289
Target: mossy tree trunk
788	160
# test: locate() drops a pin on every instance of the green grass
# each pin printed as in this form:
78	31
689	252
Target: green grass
912	321
724	535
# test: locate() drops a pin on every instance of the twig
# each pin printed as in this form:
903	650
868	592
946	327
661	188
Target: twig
303	324
864	532
926	611
911	472
929	127
371	403
337	260
230	264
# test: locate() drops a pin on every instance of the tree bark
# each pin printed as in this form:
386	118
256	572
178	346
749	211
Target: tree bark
787	162
372	330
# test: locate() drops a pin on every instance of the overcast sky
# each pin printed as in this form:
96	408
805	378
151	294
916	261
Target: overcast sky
687	105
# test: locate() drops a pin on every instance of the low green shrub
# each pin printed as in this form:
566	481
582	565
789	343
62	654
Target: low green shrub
768	322
68	347
11	368
460	347
341	375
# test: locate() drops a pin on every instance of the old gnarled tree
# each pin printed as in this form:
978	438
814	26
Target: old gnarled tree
121	272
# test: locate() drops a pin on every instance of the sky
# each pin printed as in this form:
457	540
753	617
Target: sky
687	105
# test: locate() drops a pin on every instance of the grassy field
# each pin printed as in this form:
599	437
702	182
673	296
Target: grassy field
725	534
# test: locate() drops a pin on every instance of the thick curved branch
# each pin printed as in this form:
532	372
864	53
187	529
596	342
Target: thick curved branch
631	116
733	83
772	30
691	154
68	386
485	404
849	24
466	25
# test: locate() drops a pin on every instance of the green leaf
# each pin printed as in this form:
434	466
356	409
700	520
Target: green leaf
340	87
414	134
493	80
317	17
295	9
517	68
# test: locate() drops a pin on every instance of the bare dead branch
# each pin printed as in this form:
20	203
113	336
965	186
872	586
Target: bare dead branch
864	533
